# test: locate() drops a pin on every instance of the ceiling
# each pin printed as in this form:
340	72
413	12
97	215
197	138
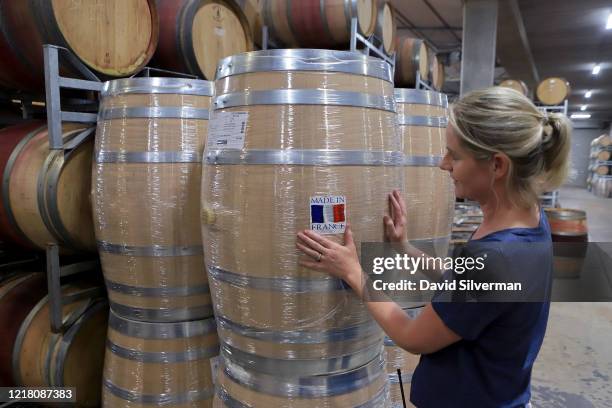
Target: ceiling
562	38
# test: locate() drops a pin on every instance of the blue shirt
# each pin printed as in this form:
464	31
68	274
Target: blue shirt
491	365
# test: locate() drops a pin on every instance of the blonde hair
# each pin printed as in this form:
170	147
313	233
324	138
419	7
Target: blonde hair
502	120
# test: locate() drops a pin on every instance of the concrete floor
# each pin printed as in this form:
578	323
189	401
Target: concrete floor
574	367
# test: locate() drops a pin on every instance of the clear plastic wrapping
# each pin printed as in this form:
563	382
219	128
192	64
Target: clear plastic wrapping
396	357
428	190
159	364
146	188
308	134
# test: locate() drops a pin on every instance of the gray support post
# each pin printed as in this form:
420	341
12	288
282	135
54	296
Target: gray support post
479	38
54	287
54	118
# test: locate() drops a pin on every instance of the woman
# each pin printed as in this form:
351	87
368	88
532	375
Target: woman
501	152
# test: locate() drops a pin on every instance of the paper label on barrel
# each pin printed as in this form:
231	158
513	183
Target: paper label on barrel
214	368
328	214
227	130
219	31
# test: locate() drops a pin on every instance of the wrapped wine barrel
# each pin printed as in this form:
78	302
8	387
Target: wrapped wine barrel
553	91
18	295
570	236
361	387
602	186
318	23
159	364
146	189
307	139
45	193
397	358
422	119
73	358
195	34
112	37
412	57
515	84
386	28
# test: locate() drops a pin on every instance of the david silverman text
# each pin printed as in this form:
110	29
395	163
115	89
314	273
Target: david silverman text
446	285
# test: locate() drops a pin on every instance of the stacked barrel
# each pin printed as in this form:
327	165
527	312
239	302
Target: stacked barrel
307	140
146	189
599	181
428	190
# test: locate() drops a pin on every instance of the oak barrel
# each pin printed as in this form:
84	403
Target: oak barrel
252	10
397	358
112	37
602	186
73	358
604	155
318	23
553	91
364	386
569	233
428	190
308	140
195	34
515	84
436	72
412	57
159	364
386	27
18	295
146	189
45	193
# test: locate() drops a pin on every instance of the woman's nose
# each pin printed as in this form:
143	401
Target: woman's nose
445	163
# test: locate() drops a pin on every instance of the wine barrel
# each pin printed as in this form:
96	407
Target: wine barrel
602	186
45	193
386	28
112	37
318	23
155	364
570	236
360	387
146	189
428	190
18	295
553	91
194	35
603	168
411	57
73	358
515	84
252	10
604	155
281	121
436	72
397	358
604	140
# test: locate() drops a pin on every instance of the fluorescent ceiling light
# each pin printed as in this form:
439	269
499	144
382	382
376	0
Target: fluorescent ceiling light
596	69
581	115
583	108
609	23
588	94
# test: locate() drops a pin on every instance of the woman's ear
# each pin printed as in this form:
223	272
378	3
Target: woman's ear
501	165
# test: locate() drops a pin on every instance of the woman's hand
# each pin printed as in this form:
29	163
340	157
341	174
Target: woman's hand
338	260
395	225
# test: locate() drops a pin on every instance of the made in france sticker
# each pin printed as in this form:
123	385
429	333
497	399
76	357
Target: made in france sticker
328	214
227	130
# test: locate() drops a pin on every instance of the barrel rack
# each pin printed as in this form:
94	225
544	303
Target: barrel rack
371	44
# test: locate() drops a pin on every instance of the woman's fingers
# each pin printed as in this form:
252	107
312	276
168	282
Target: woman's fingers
324	242
397	210
310	243
311	265
310	252
401	202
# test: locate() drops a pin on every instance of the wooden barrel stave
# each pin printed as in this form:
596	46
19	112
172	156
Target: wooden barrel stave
86	28
159	363
17	298
386	28
152	259
42	358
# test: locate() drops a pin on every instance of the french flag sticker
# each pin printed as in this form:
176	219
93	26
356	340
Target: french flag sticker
328	214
